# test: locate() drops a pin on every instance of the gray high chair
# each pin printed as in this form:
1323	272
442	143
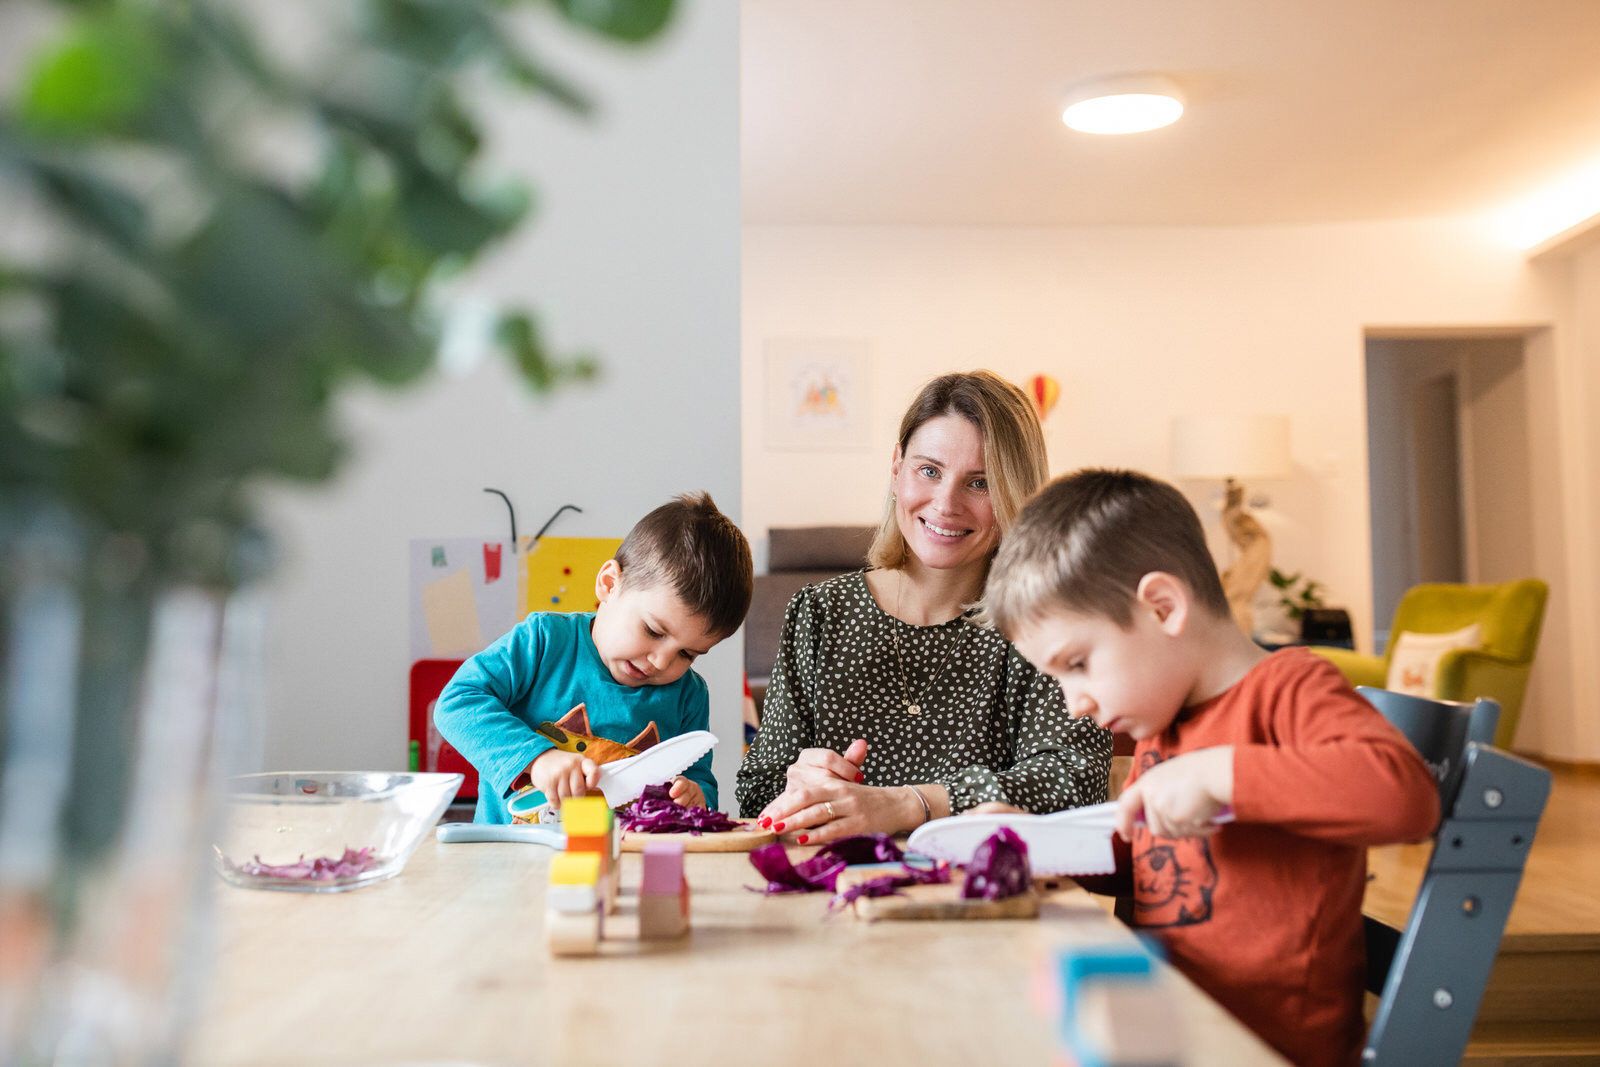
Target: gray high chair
1431	975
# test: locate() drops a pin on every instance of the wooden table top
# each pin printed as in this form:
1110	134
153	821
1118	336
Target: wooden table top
447	962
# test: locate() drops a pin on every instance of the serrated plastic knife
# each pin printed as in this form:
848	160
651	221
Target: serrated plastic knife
624	779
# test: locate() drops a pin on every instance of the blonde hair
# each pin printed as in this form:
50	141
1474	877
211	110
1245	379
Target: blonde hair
1013	449
1084	543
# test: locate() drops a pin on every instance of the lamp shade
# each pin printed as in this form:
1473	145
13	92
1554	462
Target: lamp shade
1231	446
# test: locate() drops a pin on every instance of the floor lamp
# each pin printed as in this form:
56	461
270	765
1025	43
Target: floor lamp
1231	448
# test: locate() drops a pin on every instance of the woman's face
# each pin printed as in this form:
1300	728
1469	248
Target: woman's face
942	495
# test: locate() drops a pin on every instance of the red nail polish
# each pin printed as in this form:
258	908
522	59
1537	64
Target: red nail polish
803	838
778	826
766	822
860	777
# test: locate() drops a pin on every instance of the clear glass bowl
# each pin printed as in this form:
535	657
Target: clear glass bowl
326	831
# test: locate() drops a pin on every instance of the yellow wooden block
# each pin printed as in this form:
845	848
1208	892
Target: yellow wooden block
575	868
585	817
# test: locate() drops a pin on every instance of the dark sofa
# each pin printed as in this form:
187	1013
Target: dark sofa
796	557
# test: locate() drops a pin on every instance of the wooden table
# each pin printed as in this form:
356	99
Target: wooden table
447	962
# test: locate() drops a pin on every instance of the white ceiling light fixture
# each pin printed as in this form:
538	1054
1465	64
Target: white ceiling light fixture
1128	103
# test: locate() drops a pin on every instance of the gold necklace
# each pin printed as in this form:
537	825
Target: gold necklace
914	707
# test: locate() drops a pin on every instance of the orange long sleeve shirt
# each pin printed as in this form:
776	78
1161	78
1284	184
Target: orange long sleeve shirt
1265	915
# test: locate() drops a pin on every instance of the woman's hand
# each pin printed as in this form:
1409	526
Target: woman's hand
687	794
816	766
826	811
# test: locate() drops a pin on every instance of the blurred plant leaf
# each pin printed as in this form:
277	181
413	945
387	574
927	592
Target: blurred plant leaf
202	307
625	20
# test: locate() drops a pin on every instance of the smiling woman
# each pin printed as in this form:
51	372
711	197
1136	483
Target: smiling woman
889	704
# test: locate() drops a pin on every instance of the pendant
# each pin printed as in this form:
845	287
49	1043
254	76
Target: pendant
913	709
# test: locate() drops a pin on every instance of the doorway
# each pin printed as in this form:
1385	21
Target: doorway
1448	464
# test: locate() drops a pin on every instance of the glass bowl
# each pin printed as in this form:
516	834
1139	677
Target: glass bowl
326	831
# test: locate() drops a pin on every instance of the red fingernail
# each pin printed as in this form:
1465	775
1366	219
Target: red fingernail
803	838
766	822
778	826
861	777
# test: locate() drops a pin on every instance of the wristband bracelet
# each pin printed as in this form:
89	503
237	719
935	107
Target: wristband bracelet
927	812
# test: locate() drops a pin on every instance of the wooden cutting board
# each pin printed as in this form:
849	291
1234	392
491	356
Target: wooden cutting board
747	837
932	902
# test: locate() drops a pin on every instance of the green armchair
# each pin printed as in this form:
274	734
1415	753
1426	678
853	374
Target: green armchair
1509	614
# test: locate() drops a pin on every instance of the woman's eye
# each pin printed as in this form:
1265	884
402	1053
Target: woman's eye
652	633
928	472
981	484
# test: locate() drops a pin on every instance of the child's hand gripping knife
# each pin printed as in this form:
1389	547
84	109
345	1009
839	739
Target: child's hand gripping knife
559	775
1179	797
687	794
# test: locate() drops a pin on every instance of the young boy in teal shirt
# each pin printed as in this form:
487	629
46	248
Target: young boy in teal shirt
681	582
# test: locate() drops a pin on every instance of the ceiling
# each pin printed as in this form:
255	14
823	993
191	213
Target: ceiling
947	112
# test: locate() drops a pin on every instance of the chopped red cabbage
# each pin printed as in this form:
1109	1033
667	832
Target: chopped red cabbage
891	883
999	868
322	869
821	871
656	813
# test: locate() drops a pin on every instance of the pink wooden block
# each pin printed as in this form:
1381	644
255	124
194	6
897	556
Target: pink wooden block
663	869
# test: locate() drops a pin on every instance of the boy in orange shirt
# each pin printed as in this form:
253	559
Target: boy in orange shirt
1105	583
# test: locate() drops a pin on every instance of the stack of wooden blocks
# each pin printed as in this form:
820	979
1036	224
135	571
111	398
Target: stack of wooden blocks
584	879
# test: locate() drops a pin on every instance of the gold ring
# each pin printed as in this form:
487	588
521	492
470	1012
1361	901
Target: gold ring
828	804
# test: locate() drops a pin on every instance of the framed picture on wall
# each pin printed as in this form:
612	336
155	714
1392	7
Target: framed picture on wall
818	394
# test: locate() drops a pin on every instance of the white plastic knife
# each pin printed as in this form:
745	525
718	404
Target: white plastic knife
624	779
1075	841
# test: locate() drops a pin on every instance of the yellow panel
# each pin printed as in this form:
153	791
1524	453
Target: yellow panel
575	868
585	817
558	572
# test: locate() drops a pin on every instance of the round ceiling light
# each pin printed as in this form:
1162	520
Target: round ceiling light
1129	104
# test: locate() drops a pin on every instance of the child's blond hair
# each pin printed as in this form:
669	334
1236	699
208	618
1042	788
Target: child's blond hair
1085	541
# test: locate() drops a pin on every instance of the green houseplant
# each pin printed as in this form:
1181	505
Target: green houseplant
217	239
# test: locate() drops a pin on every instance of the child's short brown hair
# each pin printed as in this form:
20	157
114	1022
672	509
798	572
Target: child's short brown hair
1084	542
697	550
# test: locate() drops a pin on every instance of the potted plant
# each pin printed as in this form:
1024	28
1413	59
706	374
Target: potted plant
216	241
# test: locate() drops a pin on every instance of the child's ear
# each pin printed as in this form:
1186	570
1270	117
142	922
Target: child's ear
1167	598
608	581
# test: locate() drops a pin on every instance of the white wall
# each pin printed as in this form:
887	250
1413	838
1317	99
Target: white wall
1141	325
633	253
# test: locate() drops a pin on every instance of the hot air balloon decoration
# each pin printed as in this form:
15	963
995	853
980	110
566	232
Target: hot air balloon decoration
1044	391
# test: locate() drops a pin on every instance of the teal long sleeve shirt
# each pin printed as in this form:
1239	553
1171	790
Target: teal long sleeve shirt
537	673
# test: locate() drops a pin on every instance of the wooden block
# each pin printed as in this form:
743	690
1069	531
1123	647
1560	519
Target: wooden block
586	817
663	869
1127	1022
662	917
933	902
576	868
599	844
572	934
572	899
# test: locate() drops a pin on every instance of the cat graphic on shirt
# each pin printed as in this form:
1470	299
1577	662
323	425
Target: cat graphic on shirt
1173	878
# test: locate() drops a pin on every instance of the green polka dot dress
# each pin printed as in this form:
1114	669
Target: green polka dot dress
986	725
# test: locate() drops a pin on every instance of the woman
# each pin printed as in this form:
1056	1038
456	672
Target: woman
889	705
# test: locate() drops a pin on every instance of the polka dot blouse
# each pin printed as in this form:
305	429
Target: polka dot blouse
988	726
